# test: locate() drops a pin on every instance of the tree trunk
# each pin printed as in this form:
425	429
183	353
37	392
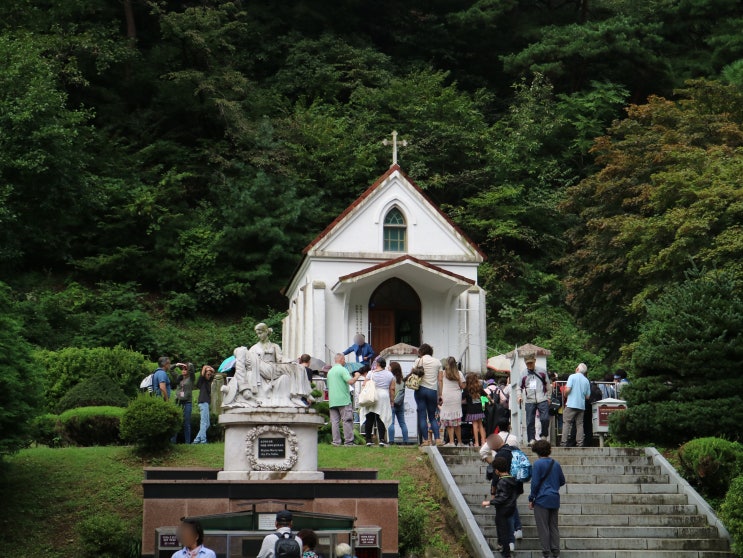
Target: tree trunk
131	26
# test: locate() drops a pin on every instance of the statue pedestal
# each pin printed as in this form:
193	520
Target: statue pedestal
270	443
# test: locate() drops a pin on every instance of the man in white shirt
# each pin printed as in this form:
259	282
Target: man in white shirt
535	390
284	520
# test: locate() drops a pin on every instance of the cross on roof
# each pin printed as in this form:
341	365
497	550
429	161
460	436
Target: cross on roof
403	143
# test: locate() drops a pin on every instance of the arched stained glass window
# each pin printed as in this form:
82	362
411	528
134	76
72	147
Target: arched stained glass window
394	231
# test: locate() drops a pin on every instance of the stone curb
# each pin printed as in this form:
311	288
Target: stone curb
685	488
479	545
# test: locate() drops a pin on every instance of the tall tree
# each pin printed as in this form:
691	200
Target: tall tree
669	190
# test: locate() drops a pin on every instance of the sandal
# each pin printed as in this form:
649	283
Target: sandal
425	444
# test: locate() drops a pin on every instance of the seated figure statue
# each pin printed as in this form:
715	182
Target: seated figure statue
263	380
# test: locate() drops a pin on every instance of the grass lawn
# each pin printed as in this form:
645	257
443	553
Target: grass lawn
46	492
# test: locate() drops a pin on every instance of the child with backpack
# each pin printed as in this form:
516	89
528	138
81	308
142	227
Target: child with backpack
506	493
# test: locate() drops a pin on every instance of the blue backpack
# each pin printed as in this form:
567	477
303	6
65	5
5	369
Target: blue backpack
520	465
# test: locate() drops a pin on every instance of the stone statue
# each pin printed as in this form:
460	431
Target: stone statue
263	380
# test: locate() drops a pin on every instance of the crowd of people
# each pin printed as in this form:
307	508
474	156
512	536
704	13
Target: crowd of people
283	542
179	386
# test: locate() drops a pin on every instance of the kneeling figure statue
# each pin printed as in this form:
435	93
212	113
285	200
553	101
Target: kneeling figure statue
263	380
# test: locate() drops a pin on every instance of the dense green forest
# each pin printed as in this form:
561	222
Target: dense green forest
163	162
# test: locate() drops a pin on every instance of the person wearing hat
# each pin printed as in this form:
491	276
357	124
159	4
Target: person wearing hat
283	533
535	390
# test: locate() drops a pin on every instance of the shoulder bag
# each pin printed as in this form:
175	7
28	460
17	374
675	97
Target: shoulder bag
368	395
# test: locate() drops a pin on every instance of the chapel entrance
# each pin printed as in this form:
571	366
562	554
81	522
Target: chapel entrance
394	315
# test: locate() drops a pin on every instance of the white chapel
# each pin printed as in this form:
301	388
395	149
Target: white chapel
395	268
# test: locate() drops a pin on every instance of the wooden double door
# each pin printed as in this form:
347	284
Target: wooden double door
394	315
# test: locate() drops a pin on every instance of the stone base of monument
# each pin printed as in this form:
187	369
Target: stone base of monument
273	443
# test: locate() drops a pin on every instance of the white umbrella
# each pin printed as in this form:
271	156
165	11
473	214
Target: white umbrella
500	363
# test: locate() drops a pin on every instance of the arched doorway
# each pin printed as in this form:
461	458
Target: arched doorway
394	315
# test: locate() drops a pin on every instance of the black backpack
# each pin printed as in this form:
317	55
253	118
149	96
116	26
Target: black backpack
287	546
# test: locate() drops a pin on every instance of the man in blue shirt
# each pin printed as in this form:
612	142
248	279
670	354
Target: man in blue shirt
161	379
577	390
363	351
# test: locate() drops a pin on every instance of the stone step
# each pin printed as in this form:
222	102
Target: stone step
466	479
636	499
606	520
477	468
621	543
626	532
557	452
633	460
588	489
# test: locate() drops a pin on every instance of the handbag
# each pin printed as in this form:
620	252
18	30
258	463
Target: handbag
413	381
555	404
368	395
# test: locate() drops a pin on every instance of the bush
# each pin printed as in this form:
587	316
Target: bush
66	368
412	520
712	463
92	426
149	423
731	513
46	430
107	536
96	391
674	422
20	394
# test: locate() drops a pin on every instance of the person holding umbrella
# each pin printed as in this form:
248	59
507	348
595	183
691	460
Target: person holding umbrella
363	351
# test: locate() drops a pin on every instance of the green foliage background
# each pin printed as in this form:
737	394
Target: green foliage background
163	163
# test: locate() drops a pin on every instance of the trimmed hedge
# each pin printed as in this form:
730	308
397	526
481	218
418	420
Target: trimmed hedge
46	430
731	513
97	391
149	423
91	426
66	368
712	463
675	422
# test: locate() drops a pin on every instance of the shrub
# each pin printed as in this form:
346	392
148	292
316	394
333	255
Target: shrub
107	536
96	391
66	368
712	463
92	426
412	520
20	394
675	422
731	513
149	423
46	430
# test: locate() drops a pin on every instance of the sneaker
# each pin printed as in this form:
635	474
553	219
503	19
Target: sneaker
369	444
336	445
382	445
512	546
531	443
449	445
518	534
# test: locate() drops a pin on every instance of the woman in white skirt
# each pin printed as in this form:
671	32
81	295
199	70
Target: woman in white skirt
451	383
381	412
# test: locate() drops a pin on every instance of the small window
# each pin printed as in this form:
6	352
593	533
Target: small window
394	231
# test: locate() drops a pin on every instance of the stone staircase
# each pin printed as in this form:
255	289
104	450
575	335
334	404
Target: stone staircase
617	504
